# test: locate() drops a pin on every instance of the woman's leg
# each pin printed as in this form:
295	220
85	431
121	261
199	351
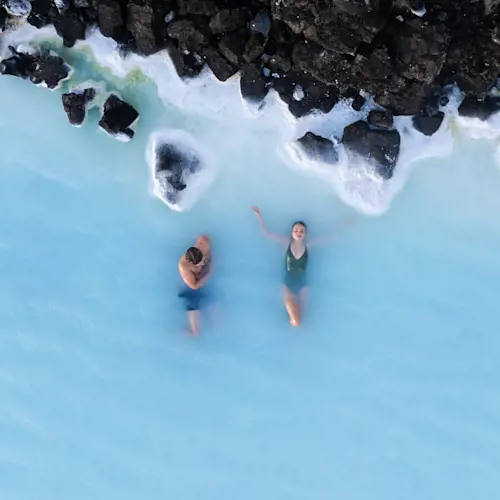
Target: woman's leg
292	306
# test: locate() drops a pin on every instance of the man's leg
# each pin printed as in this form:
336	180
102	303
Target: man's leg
194	322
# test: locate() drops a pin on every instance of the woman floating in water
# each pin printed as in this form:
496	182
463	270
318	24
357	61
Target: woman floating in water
296	260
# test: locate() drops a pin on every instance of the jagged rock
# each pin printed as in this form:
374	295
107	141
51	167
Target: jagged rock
191	36
358	101
220	67
39	67
186	65
41	13
118	117
476	108
252	83
326	66
75	104
316	95
200	7
19	64
318	148
3	18
377	66
254	48
228	20
380	119
140	22
279	63
69	27
378	147
110	18
428	125
261	23
232	46
421	50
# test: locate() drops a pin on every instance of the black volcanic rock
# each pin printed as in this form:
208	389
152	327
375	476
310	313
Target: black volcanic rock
253	84
118	116
395	51
190	34
379	147
75	104
39	67
232	46
428	125
220	67
380	119
110	17
69	27
318	148
479	108
228	20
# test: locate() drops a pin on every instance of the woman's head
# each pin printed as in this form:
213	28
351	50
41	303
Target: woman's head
299	230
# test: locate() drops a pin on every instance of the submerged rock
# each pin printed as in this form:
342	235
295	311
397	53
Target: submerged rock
118	117
379	147
179	171
318	148
428	125
75	104
479	108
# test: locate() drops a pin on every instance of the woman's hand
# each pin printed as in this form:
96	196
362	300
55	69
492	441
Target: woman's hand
256	211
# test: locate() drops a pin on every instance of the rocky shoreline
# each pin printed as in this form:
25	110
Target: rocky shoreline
402	53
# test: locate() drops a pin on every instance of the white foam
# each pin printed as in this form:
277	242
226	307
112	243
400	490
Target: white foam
419	12
222	103
196	183
18	8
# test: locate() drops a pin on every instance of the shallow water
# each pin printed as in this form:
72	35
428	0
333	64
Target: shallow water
388	390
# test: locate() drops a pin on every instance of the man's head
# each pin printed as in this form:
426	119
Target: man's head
194	255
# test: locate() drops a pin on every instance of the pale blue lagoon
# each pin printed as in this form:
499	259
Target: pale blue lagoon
388	391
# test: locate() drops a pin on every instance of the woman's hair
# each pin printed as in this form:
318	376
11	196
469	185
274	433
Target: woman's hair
194	255
299	222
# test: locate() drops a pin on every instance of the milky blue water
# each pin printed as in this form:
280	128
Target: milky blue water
389	390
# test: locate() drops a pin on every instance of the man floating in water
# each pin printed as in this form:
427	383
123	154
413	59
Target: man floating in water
195	269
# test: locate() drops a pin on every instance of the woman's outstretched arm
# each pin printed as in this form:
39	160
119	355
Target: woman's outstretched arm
268	234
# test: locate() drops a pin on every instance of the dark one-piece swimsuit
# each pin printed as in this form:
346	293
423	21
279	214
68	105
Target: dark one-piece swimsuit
295	270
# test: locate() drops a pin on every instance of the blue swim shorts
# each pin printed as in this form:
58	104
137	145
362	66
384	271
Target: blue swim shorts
193	299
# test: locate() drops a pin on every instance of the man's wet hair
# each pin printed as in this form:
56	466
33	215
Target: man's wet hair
194	255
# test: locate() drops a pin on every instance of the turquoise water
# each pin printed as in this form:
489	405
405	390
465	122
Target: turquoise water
388	391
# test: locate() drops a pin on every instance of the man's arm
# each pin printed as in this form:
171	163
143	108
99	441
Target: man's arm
188	276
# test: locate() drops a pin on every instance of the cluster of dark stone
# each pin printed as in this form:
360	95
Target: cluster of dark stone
312	52
45	67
